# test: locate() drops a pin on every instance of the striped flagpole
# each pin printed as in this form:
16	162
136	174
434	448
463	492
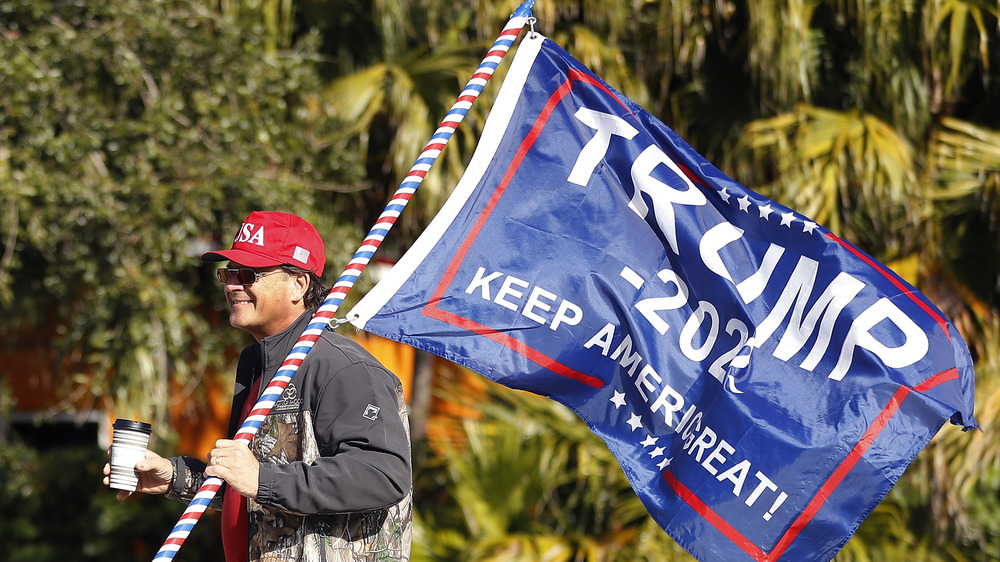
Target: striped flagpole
324	315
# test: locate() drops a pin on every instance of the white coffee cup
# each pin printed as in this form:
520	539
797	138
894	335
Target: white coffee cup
128	446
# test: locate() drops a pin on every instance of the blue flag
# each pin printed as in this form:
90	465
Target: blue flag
762	383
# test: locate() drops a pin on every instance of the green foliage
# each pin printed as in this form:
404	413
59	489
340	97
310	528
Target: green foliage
19	493
531	482
54	507
133	136
849	171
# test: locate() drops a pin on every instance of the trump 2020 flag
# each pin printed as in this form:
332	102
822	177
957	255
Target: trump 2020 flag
762	383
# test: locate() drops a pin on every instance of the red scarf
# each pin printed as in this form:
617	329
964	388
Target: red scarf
235	534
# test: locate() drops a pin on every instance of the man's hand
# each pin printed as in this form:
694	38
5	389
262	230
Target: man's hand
155	475
233	462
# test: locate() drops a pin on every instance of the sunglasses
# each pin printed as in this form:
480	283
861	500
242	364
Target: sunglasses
244	275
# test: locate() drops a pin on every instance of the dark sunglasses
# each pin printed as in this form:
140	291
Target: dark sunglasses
244	275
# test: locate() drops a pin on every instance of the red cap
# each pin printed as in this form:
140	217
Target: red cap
268	238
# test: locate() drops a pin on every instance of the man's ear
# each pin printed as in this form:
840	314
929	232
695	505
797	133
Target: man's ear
301	287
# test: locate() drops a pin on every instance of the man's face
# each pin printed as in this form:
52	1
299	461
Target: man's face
268	305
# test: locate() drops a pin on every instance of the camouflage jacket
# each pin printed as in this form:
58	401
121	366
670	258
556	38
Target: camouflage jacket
335	476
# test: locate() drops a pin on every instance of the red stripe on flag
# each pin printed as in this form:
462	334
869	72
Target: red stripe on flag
892	279
841	471
513	344
691	175
825	491
712	517
940	378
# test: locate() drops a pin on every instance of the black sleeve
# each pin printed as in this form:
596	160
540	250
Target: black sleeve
363	442
189	475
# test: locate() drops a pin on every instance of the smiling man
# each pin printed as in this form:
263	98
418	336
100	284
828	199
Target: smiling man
328	475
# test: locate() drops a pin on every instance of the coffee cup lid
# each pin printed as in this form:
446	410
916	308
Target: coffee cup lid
133	425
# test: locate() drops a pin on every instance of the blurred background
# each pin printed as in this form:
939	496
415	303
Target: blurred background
136	134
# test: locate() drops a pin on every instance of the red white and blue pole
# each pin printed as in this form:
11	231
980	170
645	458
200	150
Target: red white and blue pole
324	315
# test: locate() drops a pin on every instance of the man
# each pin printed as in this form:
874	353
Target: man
327	476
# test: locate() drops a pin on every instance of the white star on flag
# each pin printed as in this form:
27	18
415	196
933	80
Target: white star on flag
634	421
618	399
765	211
744	203
650	441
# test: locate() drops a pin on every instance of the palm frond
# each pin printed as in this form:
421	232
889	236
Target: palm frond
965	160
784	52
605	58
848	170
953	30
964	185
